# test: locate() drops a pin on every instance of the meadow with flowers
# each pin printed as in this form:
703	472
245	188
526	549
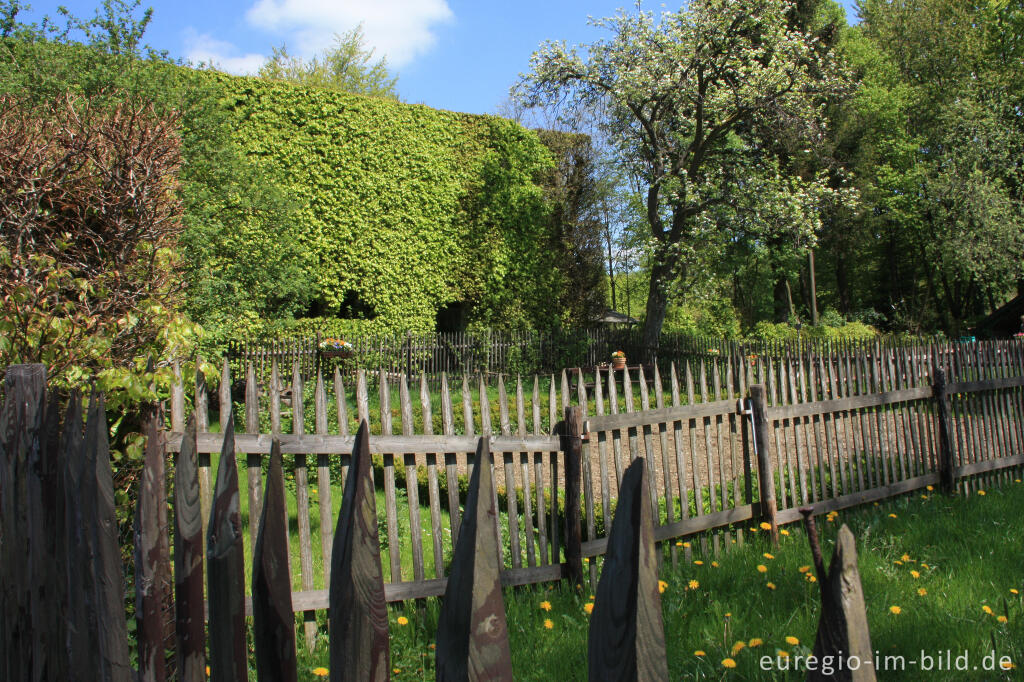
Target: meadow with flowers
939	574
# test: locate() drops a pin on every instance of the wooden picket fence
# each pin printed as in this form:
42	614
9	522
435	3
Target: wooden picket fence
730	442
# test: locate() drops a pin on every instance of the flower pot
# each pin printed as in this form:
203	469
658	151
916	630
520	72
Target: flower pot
618	363
336	354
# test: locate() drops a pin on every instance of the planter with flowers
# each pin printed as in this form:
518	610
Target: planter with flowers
336	348
619	360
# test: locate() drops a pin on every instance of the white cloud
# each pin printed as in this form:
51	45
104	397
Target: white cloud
398	29
221	54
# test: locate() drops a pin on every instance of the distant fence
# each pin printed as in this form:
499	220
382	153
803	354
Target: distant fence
826	432
492	353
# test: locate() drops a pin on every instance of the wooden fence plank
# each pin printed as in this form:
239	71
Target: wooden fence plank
254	463
273	621
302	501
602	454
515	548
472	633
390	496
627	638
188	562
323	478
573	449
152	553
225	571
433	488
359	647
556	556
538	470
412	484
524	466
450	460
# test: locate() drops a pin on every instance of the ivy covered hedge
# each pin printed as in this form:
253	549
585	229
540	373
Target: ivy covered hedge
404	209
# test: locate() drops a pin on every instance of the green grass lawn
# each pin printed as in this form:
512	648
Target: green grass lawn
940	561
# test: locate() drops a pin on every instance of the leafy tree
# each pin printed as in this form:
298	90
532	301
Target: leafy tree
683	92
347	66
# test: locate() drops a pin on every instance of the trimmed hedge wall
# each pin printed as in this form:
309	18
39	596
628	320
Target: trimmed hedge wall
405	209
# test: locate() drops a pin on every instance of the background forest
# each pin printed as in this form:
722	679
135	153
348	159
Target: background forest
877	191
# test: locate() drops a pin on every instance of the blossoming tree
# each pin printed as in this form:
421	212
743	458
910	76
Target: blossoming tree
690	95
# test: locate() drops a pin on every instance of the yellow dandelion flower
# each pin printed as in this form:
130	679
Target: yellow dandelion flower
779	653
728	663
892	516
791	640
396	670
895	610
728	615
804	569
679	543
549	624
768	556
693	585
714	564
320	672
753	530
929	488
546	605
812	578
915	574
738	647
981	492
770	586
402	620
765	525
433	646
207	671
1001	619
784	532
905	557
897	562
1016	480
924	565
761	568
924	497
662	585
1013	591
686	544
698	562
699	652
1007	665
756	641
589	607
921	591
987	609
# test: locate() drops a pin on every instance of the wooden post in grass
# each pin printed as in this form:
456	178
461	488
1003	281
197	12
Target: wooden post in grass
627	634
843	634
358	612
572	446
765	474
273	620
947	470
472	633
188	561
225	573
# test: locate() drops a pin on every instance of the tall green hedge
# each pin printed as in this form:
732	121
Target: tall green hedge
405	208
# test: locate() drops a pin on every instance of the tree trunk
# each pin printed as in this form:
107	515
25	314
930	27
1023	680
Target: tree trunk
781	296
611	269
814	287
657	307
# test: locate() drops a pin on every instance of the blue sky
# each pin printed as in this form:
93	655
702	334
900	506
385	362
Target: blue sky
461	55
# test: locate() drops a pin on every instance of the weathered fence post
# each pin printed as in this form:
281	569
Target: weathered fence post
765	473
152	552
360	648
843	634
572	446
101	521
273	620
472	633
627	634
947	469
225	570
188	561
